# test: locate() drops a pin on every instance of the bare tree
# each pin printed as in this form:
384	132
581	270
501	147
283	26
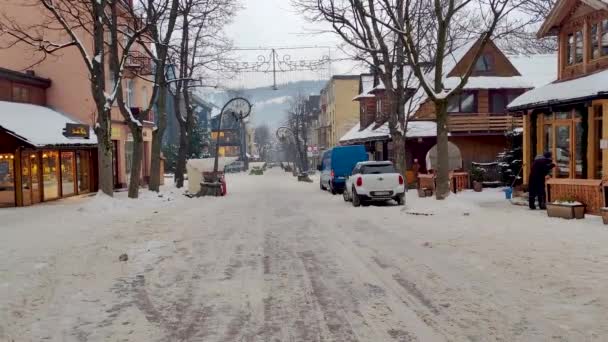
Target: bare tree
263	140
167	12
199	47
79	22
420	36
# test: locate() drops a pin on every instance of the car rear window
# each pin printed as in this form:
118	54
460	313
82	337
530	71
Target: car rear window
374	169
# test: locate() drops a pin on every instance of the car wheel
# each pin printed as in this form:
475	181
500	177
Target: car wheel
345	196
401	200
321	185
356	199
333	190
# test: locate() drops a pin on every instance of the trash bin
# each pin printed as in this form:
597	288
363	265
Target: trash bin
508	193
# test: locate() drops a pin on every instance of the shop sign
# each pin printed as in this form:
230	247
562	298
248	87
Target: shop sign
76	131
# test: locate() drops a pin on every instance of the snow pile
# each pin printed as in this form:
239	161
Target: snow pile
38	125
196	167
415	129
576	89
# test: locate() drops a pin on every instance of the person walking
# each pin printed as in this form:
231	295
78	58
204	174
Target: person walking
416	171
541	168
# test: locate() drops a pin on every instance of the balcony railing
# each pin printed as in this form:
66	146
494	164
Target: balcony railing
139	63
483	123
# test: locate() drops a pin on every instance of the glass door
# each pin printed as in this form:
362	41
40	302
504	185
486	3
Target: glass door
563	150
82	167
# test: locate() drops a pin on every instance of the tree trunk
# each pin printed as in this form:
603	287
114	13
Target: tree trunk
182	152
104	154
138	148
157	140
399	152
443	167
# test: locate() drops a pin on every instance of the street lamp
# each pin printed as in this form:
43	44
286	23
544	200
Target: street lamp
240	108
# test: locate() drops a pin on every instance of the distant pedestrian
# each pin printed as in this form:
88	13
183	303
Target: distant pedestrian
541	168
416	169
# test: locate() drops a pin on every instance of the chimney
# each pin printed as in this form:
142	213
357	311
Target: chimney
30	72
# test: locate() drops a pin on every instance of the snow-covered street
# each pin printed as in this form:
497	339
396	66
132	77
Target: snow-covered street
278	260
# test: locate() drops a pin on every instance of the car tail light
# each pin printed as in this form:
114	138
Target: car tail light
359	181
332	173
400	180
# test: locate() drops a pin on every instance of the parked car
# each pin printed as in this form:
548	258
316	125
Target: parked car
235	166
337	163
374	181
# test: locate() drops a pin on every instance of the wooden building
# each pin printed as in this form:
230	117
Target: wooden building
478	117
569	116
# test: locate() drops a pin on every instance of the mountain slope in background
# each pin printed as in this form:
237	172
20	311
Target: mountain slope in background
269	105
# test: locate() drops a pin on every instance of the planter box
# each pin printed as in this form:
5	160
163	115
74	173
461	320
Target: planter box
604	212
477	186
566	211
425	192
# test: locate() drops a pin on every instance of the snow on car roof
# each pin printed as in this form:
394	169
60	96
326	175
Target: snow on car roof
39	126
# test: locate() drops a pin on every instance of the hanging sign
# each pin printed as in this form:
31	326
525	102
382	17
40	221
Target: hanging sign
76	131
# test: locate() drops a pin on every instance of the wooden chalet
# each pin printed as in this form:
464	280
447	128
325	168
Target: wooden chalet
569	116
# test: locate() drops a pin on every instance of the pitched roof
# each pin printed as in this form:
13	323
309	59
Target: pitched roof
561	10
415	129
37	125
578	89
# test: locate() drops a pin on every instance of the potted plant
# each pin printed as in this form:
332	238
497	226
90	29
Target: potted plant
567	208
604	212
477	178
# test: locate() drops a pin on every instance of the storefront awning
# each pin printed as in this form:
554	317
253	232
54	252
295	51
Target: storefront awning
579	89
38	126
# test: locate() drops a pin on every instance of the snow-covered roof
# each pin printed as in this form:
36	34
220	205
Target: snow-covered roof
367	83
37	125
490	82
421	129
415	129
538	69
576	89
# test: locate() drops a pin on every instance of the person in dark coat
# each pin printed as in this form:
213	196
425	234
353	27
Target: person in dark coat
541	168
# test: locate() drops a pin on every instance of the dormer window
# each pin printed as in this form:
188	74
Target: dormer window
484	63
578	52
575	48
599	39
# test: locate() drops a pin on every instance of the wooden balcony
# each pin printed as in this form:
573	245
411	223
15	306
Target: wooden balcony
139	63
483	123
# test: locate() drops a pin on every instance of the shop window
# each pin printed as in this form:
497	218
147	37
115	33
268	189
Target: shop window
50	174
68	187
7	180
465	102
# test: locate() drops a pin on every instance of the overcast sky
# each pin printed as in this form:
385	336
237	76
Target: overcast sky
276	23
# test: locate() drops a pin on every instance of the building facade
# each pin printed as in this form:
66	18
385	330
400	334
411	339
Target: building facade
338	112
44	155
478	117
70	92
569	117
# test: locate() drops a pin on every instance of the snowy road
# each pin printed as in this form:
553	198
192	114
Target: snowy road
278	260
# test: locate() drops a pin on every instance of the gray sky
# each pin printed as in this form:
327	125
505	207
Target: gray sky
276	23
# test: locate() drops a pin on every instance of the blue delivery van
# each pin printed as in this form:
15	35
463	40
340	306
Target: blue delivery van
337	163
